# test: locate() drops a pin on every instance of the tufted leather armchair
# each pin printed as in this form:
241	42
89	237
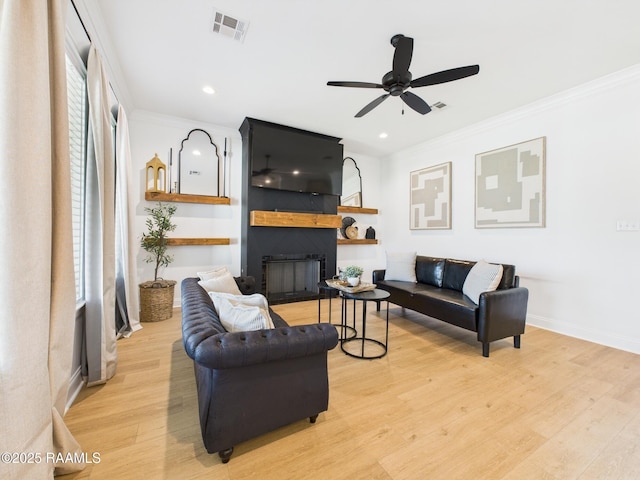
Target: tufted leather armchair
250	383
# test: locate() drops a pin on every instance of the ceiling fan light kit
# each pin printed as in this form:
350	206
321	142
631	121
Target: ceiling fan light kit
396	82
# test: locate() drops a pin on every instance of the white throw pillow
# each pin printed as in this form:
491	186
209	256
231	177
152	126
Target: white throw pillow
401	266
223	283
253	300
238	317
483	277
213	273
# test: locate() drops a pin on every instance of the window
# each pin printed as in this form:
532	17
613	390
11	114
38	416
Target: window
77	99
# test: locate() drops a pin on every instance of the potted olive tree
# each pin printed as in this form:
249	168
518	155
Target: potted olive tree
156	296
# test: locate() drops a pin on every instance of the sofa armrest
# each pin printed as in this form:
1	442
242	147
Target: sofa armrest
240	349
378	275
502	313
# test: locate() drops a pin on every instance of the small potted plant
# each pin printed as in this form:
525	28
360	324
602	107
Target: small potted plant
156	296
352	274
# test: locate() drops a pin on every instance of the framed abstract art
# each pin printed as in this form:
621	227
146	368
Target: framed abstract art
510	186
430	203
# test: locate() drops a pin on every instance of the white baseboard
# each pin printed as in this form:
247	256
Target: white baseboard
596	336
75	385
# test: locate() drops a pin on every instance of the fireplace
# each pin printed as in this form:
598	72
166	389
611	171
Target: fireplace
298	255
292	278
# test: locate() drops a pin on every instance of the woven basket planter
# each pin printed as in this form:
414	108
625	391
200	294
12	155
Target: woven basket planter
156	300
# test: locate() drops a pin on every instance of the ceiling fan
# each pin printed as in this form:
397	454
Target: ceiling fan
399	79
263	171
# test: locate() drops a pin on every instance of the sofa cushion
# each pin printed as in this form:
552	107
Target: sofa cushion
451	306
483	277
455	273
237	316
253	300
508	277
223	283
429	270
401	266
213	273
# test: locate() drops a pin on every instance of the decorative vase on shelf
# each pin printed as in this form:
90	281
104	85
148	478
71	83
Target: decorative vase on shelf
371	234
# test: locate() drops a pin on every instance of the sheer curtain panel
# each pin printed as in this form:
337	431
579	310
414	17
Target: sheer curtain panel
127	288
100	331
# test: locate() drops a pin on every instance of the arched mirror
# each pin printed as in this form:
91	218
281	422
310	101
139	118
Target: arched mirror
351	184
199	165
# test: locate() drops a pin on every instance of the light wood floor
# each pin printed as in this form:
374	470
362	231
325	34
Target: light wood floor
433	408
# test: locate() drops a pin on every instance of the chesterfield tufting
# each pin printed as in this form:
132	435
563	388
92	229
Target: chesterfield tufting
438	294
250	383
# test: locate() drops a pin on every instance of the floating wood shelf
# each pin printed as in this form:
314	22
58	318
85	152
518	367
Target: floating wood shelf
357	241
197	241
185	198
263	218
368	211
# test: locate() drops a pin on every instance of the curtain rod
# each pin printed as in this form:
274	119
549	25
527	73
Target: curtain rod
86	32
81	22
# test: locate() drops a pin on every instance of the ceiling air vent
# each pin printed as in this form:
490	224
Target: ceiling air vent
229	26
439	105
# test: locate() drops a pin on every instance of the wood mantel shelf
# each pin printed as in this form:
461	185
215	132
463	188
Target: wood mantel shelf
357	241
368	211
264	218
185	198
197	241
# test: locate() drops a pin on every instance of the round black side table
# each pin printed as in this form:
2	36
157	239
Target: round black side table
343	328
377	296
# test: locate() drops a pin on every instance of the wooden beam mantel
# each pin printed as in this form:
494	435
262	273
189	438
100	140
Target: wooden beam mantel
186	198
368	211
264	218
175	242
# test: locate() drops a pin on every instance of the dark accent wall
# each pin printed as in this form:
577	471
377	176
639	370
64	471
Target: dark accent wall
257	242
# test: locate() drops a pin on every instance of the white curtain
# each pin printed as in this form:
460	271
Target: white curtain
100	331
37	285
125	209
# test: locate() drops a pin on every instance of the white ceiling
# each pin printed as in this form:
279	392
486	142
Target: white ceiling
162	53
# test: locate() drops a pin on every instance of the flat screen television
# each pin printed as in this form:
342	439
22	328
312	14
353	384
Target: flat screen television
285	158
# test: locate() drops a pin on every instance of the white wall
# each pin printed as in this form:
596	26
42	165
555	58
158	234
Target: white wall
152	133
369	257
582	274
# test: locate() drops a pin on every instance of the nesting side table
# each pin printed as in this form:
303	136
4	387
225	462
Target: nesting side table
363	344
343	328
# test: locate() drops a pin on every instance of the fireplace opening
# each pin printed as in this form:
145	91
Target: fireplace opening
292	278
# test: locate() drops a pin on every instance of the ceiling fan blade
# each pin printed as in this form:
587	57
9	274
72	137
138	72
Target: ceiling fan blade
402	56
355	84
415	102
445	76
372	105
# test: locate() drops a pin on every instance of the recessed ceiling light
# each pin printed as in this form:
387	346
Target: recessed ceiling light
383	135
296	172
208	90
